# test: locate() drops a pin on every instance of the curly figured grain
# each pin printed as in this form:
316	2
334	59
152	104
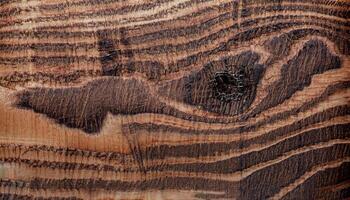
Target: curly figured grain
174	99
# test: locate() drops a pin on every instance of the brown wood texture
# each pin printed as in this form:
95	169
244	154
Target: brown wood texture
174	99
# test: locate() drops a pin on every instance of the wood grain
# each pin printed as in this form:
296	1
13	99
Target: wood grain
174	99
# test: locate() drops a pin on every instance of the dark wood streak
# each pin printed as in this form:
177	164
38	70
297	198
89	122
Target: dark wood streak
275	174
232	42
85	184
195	150
239	163
280	46
273	178
225	166
313	59
90	102
111	54
313	188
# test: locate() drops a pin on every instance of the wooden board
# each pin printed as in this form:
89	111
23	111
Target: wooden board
174	99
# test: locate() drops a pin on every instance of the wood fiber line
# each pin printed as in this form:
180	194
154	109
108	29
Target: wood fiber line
22	168
174	99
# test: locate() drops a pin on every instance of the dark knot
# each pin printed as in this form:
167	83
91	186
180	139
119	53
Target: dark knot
228	86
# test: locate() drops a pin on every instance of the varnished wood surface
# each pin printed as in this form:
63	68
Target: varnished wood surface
174	99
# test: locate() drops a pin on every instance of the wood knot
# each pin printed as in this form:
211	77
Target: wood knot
228	86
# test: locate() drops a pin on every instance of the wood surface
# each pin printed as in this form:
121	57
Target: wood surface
174	99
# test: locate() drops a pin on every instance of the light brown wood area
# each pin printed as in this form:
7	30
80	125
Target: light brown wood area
174	99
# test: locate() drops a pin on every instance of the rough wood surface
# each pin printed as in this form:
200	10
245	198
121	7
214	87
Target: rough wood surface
174	99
